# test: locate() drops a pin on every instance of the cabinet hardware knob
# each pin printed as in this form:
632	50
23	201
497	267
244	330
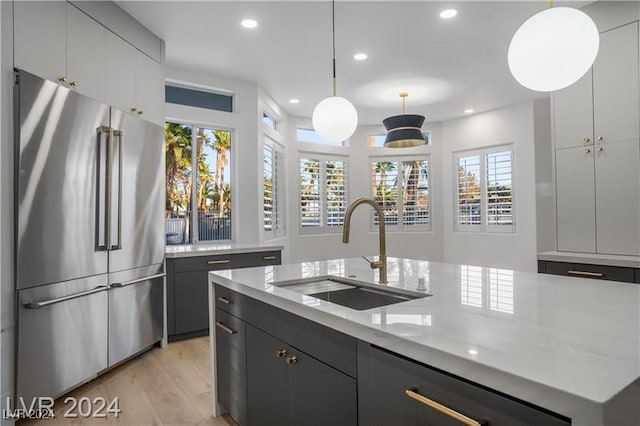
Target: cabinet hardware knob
411	393
134	109
600	138
140	112
62	79
600	149
224	328
587	140
73	83
292	359
281	352
587	150
224	300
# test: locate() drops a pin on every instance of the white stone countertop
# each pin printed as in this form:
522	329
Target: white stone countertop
570	345
192	250
591	258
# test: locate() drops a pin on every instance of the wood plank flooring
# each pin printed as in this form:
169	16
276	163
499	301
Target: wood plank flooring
164	386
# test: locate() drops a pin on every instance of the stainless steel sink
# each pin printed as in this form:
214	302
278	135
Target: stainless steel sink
353	294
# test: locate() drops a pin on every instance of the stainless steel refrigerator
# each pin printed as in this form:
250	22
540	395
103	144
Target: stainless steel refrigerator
89	236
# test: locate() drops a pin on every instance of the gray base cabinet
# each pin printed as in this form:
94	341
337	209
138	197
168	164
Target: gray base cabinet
384	379
187	294
584	270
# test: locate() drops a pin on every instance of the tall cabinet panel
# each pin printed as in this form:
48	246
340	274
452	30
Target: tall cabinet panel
149	89
575	182
615	83
121	81
618	198
573	110
41	38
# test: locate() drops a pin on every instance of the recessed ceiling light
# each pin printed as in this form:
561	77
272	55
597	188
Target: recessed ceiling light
294	101
249	23
473	352
448	13
468	111
360	56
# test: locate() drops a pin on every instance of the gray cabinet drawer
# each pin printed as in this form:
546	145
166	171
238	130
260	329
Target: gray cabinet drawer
228	261
602	272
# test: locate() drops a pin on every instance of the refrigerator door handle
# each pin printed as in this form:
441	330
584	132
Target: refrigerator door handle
101	189
108	189
139	280
38	305
120	135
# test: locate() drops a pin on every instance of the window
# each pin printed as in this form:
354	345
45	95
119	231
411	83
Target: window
484	190
323	193
310	136
198	98
198	184
401	188
273	189
377	140
268	121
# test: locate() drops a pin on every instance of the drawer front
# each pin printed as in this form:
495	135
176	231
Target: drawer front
602	272
228	261
230	301
384	379
231	365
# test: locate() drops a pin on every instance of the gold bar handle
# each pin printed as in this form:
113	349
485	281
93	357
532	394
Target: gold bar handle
218	262
586	274
223	327
411	393
269	258
224	300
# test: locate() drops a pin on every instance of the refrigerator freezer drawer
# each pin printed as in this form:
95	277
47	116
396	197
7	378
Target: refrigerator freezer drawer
135	313
62	336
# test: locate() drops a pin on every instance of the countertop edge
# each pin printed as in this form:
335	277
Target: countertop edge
582	411
590	258
219	251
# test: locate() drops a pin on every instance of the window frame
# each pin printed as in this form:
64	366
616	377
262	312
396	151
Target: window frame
399	159
278	189
483	226
323	158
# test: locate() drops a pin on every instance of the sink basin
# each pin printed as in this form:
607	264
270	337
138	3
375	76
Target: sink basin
353	294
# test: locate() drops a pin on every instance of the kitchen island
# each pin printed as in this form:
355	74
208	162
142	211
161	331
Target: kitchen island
564	347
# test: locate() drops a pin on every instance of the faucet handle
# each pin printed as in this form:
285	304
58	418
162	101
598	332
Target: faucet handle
368	260
374	264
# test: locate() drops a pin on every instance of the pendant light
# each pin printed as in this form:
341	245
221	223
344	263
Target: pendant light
553	49
334	118
404	130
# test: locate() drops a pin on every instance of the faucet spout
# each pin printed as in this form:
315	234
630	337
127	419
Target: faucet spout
381	263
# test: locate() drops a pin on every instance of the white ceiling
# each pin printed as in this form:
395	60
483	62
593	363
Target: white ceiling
445	65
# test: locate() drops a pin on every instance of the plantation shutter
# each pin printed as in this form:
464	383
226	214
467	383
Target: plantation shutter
469	202
499	190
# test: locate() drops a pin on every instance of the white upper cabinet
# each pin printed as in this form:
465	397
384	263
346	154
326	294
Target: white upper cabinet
86	59
40	38
573	112
121	73
615	85
149	89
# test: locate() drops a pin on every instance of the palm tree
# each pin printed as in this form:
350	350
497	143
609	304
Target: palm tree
382	168
222	145
178	166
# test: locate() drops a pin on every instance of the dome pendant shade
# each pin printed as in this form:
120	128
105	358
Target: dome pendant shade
335	119
404	131
553	49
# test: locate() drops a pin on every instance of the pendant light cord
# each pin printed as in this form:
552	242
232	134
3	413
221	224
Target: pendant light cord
333	35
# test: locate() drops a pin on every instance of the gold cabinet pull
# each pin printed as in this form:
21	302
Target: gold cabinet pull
134	109
73	83
140	112
281	352
292	359
218	262
224	300
587	139
224	328
411	393
600	138
62	79
269	258
587	150
600	149
586	274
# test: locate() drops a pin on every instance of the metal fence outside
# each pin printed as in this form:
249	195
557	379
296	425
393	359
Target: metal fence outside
210	228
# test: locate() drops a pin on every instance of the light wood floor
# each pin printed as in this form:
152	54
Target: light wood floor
165	386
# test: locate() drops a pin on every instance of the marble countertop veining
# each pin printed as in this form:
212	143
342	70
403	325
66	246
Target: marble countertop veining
566	344
191	250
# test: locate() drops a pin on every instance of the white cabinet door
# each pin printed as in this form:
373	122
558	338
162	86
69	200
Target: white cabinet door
86	59
121	73
150	88
615	85
575	197
573	112
40	38
618	198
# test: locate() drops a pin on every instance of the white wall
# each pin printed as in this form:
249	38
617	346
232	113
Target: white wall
246	157
513	124
363	241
